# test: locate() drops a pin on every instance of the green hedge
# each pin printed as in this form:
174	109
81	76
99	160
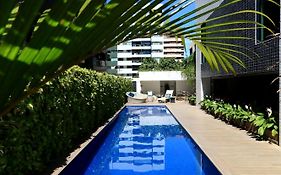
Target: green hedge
47	126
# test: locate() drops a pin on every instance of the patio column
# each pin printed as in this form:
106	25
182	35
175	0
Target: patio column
199	85
138	86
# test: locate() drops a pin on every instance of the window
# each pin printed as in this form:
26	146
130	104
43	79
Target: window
203	59
135	67
140	52
157	51
273	11
135	75
124	51
141	43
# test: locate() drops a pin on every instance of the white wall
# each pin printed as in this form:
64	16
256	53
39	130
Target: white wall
161	75
181	86
153	86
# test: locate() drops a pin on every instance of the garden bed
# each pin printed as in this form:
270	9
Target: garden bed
262	126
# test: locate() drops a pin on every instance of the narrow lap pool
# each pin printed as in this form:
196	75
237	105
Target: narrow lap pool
143	140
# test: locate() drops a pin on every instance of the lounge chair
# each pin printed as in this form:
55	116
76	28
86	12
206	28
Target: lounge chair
134	97
150	97
167	97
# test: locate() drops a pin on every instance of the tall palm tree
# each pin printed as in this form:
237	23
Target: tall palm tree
41	38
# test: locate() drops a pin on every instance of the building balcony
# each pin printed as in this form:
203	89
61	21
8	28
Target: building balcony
141	39
157	47
135	55
157	38
124	55
173	45
124	47
124	63
171	39
126	71
136	47
171	49
160	54
173	55
136	63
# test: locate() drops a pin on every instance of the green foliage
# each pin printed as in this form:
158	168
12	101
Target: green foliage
237	116
41	39
191	99
46	126
169	64
189	68
263	123
165	64
149	64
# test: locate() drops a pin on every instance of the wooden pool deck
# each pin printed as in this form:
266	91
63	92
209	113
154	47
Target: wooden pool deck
232	150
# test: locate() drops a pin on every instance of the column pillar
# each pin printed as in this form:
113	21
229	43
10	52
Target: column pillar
138	85
199	85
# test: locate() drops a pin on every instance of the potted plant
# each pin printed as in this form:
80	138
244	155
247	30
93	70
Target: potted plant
192	99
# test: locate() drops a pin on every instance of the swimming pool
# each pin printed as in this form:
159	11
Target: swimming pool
143	140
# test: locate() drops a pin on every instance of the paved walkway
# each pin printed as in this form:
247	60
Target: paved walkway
229	148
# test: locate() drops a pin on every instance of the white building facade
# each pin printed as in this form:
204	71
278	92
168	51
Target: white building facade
128	56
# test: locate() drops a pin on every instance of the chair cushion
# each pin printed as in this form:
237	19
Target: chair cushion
168	96
131	94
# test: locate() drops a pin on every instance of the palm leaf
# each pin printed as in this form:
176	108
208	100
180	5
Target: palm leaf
38	43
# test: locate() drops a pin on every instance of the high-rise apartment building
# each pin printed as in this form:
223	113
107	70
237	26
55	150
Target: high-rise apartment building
128	56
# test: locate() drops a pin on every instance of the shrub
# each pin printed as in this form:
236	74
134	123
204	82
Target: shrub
164	64
47	126
191	99
237	116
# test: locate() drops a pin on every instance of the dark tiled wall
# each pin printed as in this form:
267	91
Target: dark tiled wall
268	51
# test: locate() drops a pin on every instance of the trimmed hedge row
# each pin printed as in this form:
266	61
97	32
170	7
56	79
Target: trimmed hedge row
47	126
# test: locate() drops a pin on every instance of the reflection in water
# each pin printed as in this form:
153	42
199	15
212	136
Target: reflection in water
147	140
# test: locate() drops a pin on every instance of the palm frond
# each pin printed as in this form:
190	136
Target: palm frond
38	41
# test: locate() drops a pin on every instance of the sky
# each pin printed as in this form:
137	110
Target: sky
186	10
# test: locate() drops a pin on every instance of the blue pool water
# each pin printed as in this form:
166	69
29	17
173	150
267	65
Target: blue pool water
145	140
